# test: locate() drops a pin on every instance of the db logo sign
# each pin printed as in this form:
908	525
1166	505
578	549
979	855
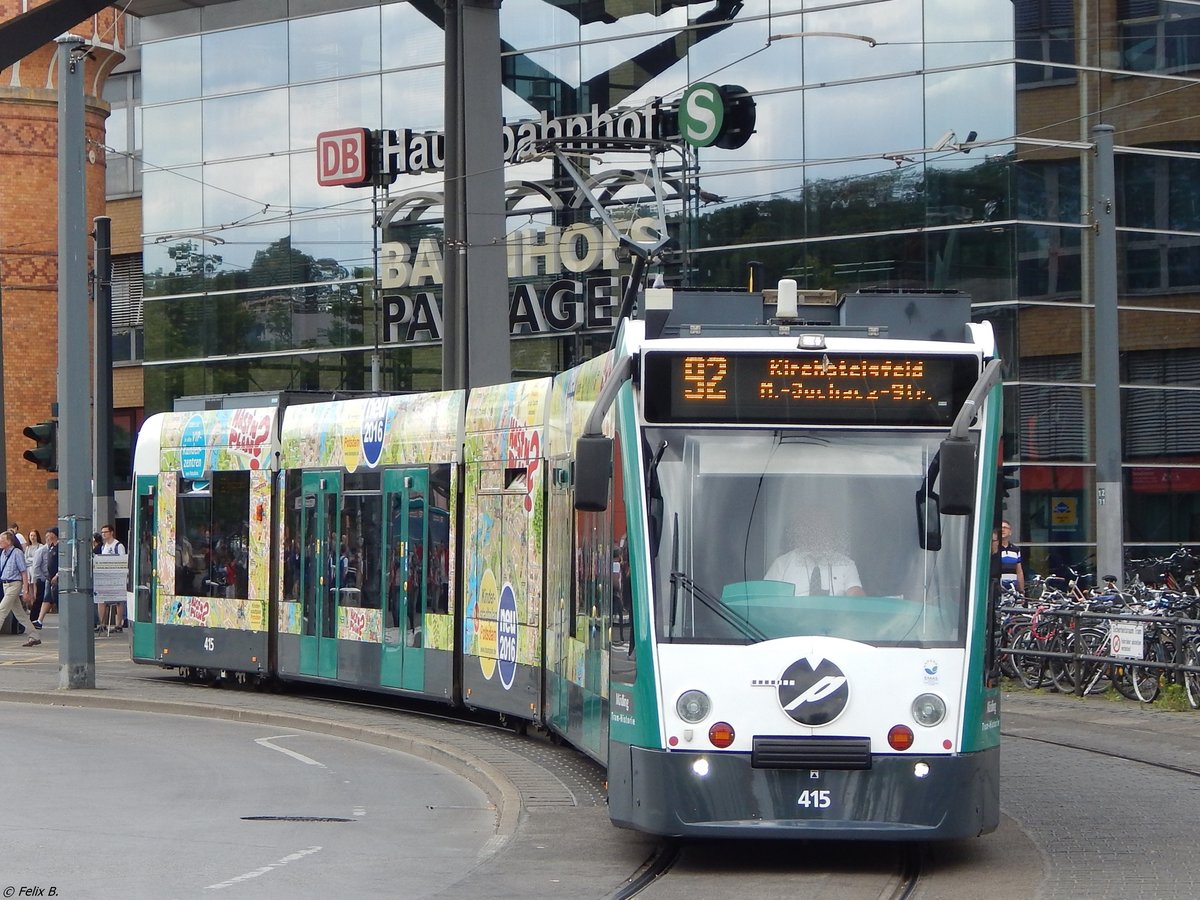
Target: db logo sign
343	157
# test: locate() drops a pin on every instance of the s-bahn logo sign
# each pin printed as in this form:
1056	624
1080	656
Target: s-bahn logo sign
716	115
813	691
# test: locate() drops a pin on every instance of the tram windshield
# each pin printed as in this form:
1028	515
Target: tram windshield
758	534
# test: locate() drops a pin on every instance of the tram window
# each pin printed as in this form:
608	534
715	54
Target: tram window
560	579
361	481
593	571
328	538
396	571
623	661
406	535
414	566
145	560
293	510
768	535
358	558
212	530
438	579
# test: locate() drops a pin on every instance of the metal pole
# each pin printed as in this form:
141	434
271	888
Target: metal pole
103	508
1109	483
476	333
454	332
76	641
377	284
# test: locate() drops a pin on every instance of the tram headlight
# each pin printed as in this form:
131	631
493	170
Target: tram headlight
929	710
693	706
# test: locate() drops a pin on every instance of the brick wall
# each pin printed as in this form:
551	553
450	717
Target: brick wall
29	244
126	217
128	387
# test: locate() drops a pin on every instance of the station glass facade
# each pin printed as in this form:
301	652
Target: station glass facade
896	144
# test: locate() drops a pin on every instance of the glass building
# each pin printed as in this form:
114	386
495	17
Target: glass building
898	144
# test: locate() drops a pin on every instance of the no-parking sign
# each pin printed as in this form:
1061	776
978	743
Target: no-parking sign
1127	639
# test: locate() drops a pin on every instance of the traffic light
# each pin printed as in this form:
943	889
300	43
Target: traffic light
1006	480
45	436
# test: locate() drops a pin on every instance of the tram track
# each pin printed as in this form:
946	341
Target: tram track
658	864
1125	757
911	865
681	868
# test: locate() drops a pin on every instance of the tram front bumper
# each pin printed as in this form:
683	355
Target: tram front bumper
899	798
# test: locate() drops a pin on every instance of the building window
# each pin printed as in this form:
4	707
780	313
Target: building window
1158	35
1162	422
1163	194
1048	258
122	136
1053	424
1045	31
126	423
127	342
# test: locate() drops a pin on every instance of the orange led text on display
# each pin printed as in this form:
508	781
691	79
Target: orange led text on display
702	377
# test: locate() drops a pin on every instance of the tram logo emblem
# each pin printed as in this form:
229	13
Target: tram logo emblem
813	692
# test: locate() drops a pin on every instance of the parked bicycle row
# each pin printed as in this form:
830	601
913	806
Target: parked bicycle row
1081	641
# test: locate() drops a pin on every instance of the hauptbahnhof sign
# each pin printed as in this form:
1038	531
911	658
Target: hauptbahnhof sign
706	115
411	276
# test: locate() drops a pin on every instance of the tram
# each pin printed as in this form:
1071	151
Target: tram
744	565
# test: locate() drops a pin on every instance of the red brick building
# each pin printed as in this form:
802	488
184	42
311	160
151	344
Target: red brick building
29	241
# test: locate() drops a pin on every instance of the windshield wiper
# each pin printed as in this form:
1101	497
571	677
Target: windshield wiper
681	579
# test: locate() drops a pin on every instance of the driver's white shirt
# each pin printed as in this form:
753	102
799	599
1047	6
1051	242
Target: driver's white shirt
838	572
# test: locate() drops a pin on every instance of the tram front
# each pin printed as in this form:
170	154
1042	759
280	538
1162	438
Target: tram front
816	581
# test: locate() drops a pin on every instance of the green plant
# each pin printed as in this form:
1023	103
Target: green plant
1173	698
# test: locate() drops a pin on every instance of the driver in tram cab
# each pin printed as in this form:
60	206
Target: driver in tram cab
818	564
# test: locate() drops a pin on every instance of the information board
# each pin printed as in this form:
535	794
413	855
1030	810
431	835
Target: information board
805	387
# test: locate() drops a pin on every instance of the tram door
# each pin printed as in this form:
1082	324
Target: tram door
406	500
320	541
145	584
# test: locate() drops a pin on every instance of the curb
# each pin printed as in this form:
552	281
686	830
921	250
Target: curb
500	790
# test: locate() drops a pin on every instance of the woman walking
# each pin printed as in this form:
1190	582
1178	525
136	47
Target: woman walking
35	548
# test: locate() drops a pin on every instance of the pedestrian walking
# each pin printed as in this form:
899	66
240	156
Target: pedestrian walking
14	578
35	561
49	562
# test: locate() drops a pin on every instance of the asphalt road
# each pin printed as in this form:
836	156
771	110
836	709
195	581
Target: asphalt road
146	781
133	805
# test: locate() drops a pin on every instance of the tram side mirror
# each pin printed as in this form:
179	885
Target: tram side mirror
929	521
956	482
593	471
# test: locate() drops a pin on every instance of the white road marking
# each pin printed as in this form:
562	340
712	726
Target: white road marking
249	876
266	742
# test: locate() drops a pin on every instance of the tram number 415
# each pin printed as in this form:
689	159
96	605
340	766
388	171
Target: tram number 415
814	799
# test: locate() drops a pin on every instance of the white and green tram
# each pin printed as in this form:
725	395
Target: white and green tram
743	565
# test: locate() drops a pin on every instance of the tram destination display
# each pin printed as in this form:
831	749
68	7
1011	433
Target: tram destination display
805	388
